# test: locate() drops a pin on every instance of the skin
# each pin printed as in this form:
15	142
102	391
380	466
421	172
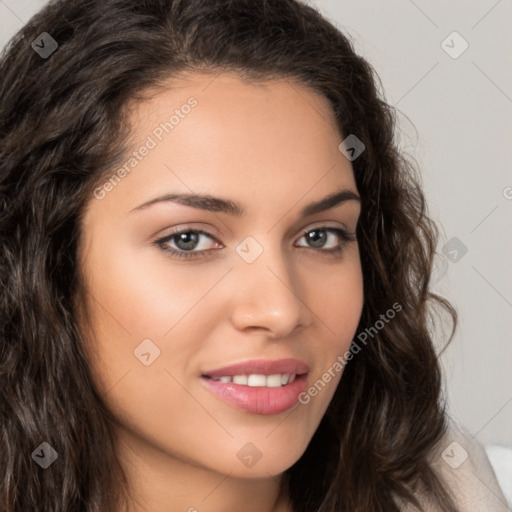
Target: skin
273	147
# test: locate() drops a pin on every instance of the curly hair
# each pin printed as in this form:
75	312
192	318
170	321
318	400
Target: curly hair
63	128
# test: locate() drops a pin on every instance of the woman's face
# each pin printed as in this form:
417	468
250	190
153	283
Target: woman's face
260	290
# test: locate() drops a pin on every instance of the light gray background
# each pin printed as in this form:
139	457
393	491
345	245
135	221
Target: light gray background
455	119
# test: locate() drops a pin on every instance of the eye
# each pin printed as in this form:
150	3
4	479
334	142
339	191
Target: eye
185	242
188	241
319	237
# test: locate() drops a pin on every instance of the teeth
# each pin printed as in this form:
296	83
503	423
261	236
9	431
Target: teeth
274	381
240	379
255	380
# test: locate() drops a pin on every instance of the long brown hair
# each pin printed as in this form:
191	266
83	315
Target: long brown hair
62	131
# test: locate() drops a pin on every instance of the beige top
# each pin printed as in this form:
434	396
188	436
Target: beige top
462	463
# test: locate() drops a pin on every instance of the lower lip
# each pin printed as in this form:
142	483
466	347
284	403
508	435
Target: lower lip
258	400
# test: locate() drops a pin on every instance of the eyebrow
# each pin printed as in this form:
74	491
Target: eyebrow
217	204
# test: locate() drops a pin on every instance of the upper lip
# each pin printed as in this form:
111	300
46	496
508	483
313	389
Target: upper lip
260	367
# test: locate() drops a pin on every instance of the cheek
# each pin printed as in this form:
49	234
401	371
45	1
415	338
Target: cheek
142	292
336	299
136	301
337	304
131	300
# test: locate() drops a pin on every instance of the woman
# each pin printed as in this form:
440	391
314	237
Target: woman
215	271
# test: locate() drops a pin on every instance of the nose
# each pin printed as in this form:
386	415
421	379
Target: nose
268	295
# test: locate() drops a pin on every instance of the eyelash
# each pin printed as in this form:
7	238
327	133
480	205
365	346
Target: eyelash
344	235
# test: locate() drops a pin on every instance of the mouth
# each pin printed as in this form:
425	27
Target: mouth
259	386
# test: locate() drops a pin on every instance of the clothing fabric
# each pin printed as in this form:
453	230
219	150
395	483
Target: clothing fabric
462	464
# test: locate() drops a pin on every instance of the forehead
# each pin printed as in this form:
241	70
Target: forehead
207	133
226	102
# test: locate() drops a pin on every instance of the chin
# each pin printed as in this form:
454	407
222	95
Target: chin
271	458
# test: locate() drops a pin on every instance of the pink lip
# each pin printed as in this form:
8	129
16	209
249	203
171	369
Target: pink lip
259	400
261	367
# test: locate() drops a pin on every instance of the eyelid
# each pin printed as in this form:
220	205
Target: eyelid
187	229
323	225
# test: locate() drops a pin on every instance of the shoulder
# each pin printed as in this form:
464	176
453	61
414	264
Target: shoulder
461	463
